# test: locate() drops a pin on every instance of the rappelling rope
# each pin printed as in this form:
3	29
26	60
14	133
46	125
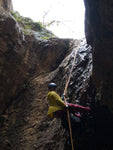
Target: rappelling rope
67	83
65	91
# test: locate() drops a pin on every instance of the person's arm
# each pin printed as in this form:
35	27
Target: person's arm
60	102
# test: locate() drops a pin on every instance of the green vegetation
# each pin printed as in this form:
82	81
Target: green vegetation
29	26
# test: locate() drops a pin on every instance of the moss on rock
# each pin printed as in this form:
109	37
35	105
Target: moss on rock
29	26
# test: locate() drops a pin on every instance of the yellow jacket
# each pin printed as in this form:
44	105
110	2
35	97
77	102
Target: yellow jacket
55	103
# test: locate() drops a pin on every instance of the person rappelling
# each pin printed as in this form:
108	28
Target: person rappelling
67	112
57	107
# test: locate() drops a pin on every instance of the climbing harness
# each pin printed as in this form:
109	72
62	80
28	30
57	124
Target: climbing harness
65	91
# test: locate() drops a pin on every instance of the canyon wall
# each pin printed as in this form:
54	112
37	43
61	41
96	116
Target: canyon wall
6	5
23	56
28	64
99	34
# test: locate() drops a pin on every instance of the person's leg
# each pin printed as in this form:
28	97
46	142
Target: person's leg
59	114
78	108
64	123
75	121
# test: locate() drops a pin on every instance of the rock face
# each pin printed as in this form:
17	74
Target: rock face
99	34
6	5
23	56
26	120
28	64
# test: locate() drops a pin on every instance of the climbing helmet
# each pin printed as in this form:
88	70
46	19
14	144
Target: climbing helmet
52	85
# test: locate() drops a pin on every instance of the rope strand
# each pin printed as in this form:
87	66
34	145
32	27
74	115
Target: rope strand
65	91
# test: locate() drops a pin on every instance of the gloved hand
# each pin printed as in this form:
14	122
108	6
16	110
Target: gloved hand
62	96
67	106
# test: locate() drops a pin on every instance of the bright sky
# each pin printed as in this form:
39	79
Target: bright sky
69	12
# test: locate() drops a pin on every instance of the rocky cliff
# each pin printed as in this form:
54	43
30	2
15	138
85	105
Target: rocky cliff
30	58
6	5
99	34
25	59
22	56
